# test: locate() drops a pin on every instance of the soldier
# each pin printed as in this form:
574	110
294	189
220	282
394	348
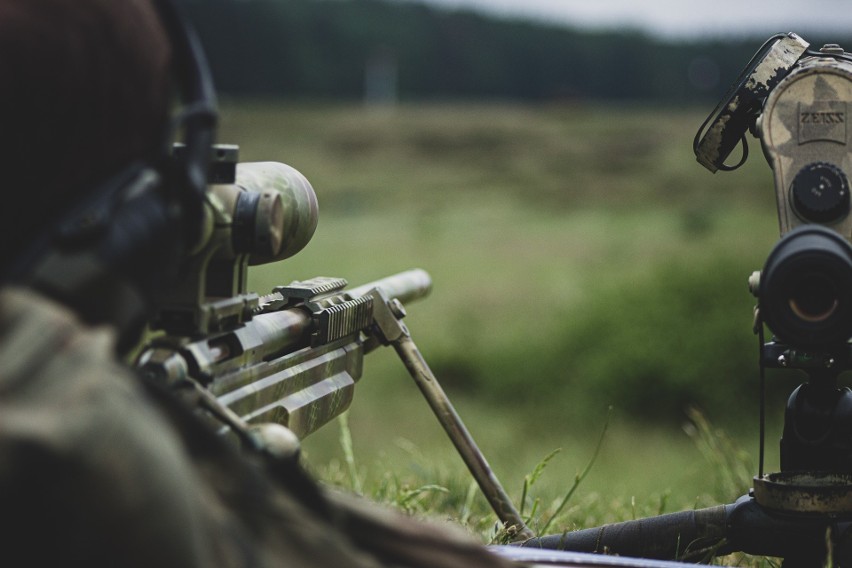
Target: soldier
96	467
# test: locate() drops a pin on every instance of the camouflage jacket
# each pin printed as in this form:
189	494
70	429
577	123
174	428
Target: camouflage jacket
98	470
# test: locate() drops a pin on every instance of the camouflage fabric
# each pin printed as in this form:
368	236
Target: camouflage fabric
98	470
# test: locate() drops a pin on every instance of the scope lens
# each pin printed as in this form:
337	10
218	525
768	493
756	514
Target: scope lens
814	298
806	288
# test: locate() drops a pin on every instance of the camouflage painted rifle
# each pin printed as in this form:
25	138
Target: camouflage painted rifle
269	370
294	362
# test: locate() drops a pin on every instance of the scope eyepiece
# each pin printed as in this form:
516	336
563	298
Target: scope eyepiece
806	288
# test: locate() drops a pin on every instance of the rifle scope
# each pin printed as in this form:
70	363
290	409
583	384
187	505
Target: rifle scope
806	288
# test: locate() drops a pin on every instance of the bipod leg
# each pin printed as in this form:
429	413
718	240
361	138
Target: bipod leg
387	315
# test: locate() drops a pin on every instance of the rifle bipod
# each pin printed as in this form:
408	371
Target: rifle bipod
390	330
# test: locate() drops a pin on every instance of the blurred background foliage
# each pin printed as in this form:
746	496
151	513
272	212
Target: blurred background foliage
581	258
571	273
321	48
578	251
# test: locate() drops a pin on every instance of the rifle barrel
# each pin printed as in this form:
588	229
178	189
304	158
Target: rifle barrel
404	286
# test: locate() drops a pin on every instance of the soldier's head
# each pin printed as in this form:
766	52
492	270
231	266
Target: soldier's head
96	211
85	91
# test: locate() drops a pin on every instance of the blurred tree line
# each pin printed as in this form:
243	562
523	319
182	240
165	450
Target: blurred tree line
328	49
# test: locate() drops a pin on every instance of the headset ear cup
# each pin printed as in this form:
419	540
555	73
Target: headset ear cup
146	242
111	258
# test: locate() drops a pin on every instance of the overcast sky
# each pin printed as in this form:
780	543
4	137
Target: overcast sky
681	18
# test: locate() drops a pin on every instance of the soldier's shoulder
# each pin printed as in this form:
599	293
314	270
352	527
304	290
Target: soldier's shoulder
40	336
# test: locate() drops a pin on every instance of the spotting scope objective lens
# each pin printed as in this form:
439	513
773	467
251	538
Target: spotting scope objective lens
814	298
806	288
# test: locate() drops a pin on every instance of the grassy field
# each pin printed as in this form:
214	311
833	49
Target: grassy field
581	259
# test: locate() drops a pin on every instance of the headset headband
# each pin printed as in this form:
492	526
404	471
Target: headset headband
198	116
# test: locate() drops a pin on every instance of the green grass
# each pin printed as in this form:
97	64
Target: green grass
535	223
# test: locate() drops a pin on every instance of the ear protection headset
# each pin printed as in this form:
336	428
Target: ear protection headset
109	257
